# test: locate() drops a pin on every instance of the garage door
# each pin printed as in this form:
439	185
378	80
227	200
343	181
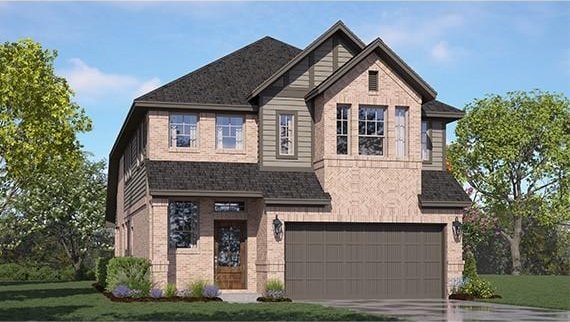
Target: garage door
363	261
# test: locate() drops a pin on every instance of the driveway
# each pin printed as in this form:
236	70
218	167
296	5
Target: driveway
447	310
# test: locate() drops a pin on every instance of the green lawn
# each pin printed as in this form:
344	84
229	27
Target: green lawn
539	291
80	301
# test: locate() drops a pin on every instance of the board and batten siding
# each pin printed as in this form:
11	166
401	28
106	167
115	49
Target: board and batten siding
135	187
287	94
437	134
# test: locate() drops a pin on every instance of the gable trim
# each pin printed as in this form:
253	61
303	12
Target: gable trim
338	26
424	89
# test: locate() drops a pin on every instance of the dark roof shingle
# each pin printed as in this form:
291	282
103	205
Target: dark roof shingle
440	189
230	79
437	108
234	177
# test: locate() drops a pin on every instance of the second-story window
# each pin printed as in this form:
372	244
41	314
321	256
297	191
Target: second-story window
229	132
371	130
342	113
426	142
401	132
184	130
286	134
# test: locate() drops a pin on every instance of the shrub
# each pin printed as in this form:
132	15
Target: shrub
470	268
121	291
478	288
133	272
211	291
197	288
170	290
19	272
457	284
101	271
156	293
13	272
274	289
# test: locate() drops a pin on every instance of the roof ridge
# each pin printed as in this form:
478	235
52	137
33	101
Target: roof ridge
214	62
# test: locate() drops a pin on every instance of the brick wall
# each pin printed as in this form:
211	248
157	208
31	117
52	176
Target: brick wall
159	149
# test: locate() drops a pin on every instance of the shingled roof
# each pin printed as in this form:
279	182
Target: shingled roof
239	179
228	80
439	109
440	189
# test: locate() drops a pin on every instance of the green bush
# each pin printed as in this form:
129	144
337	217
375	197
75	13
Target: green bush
101	271
470	268
170	290
478	288
134	272
19	272
197	288
274	285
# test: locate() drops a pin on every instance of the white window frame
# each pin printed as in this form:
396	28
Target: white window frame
340	121
239	137
287	133
376	108
192	131
425	139
401	127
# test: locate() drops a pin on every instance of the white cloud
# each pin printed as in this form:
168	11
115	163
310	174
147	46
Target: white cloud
89	82
441	51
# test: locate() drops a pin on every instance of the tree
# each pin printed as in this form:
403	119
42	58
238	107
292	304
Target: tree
513	150
38	120
70	208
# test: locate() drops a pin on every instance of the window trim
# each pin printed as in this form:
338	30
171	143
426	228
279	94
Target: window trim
243	128
406	130
428	140
376	73
278	154
170	146
242	210
384	137
348	127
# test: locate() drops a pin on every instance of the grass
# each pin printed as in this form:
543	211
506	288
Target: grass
66	301
551	292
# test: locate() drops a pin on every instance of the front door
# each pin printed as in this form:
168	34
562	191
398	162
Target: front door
230	254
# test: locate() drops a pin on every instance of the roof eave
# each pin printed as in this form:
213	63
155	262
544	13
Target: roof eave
445	115
443	203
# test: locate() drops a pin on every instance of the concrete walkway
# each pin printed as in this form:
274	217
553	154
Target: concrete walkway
449	310
239	297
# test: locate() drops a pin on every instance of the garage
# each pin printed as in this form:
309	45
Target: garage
363	261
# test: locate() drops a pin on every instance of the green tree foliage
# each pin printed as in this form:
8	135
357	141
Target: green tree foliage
513	150
38	120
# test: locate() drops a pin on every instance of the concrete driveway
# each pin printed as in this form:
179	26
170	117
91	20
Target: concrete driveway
448	310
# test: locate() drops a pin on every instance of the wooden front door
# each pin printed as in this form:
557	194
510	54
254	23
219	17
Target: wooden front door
230	253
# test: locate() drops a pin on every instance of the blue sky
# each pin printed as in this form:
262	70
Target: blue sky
114	52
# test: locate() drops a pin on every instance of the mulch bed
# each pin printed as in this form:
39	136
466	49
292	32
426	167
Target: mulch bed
113	298
270	299
467	297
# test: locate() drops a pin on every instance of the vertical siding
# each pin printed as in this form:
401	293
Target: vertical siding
437	132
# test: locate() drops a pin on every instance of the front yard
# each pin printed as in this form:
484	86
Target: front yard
79	301
539	291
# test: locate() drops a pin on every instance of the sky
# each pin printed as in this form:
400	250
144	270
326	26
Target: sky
113	52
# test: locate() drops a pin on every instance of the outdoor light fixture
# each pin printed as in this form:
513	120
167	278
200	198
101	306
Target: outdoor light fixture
277	228
456	227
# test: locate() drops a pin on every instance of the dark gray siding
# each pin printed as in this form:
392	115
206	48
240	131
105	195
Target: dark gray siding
437	132
135	187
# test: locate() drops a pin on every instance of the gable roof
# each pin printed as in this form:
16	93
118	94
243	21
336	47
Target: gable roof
228	80
339	26
441	190
439	109
394	61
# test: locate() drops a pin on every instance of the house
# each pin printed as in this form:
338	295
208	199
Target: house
322	167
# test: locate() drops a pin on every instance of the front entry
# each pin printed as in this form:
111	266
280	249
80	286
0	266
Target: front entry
230	254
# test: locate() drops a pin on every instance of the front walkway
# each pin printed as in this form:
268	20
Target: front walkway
447	310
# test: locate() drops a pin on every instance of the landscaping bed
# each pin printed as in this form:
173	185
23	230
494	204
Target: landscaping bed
273	300
113	298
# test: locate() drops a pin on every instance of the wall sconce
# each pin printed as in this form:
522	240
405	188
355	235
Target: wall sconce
456	228
277	228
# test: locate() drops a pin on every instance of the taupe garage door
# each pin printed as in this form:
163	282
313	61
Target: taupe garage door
363	261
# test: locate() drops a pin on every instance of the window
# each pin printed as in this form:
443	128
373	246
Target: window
229	132
342	113
183	130
286	135
426	142
371	130
230	206
128	248
401	133
183	223
373	80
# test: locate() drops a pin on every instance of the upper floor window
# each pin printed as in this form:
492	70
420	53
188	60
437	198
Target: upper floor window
371	130
229	206
401	132
342	117
373	80
426	142
229	132
286	134
183	224
184	130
